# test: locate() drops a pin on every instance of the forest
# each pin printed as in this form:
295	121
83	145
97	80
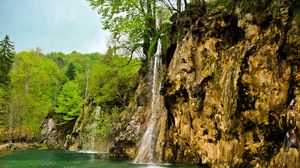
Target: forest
38	83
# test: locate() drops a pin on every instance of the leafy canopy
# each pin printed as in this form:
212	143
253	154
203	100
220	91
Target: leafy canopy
34	83
110	82
69	101
124	19
132	23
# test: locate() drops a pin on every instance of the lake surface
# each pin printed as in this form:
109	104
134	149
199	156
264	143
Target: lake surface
62	159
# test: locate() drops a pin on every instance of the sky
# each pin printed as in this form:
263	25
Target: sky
52	25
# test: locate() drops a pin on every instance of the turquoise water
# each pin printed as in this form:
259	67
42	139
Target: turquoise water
62	159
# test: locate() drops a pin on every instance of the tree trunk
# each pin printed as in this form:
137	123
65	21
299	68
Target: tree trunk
150	26
185	3
179	5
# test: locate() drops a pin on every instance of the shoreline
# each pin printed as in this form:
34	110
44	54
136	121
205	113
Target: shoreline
7	148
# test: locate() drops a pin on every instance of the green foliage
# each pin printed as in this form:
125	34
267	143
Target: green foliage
43	147
71	72
252	5
6	55
106	122
123	18
153	45
296	14
111	81
132	22
35	80
39	85
82	63
2	95
69	101
3	109
215	6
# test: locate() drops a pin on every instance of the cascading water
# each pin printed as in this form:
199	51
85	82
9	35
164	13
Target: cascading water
94	127
90	137
146	150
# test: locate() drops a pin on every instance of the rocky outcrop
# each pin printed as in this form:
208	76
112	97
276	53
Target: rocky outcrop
230	95
53	134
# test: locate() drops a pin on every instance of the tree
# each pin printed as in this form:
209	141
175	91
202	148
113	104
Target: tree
131	22
69	102
32	91
6	55
6	59
112	84
170	4
3	109
70	73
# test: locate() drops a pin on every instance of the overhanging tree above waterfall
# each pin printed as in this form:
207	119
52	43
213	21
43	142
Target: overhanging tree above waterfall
131	22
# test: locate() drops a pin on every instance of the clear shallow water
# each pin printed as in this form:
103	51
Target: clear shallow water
66	159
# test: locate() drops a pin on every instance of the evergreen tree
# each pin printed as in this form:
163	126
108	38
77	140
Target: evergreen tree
70	73
6	56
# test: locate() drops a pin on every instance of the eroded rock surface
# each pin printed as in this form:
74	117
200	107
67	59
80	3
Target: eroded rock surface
231	91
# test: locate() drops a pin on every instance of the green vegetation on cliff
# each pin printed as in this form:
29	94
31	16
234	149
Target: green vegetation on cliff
61	83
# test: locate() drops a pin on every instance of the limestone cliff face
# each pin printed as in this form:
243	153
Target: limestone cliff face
231	91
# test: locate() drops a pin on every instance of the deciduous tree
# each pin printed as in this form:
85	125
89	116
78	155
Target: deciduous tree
131	22
69	102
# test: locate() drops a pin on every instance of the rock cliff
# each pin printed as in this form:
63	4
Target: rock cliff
231	90
53	134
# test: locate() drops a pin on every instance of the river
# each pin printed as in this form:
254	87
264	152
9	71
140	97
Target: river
67	159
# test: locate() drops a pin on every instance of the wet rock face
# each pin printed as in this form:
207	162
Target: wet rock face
232	89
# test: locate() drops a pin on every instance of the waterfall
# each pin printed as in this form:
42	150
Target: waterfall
93	128
90	138
146	151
